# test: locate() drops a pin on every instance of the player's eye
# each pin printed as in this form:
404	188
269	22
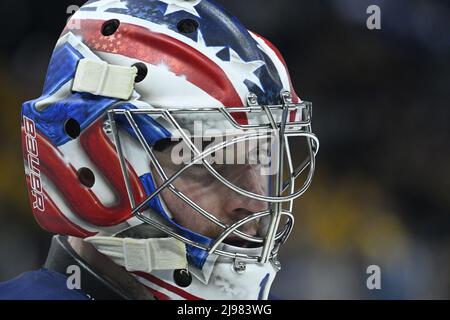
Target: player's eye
164	145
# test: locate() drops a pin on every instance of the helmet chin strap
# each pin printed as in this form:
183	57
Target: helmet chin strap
154	262
142	255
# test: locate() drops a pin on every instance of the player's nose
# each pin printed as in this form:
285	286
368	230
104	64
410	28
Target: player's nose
249	179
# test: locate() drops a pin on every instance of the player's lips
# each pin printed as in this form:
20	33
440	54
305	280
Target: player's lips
250	229
237	241
241	243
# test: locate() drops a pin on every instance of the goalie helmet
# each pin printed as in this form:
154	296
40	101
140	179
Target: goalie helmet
131	81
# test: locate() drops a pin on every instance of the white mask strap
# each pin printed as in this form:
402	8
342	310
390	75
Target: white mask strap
143	255
103	79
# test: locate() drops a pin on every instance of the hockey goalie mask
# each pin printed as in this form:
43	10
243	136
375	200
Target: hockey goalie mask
168	121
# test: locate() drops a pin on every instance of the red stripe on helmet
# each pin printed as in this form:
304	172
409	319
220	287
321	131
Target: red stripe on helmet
82	200
140	43
53	220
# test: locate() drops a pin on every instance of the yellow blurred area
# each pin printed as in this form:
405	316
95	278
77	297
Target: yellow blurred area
12	180
349	215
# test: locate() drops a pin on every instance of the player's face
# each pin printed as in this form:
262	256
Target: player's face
210	194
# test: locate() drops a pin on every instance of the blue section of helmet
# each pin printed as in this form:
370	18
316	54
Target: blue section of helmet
262	285
61	69
221	29
149	186
196	256
218	29
149	127
85	108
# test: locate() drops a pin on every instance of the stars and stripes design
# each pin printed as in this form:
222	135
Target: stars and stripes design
181	5
102	6
248	65
164	51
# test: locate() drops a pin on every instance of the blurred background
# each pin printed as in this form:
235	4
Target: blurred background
382	113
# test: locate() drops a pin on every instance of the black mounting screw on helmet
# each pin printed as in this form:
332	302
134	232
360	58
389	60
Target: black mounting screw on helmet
182	277
142	71
72	128
187	26
86	177
110	27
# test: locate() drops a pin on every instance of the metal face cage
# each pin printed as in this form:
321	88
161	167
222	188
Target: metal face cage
284	189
